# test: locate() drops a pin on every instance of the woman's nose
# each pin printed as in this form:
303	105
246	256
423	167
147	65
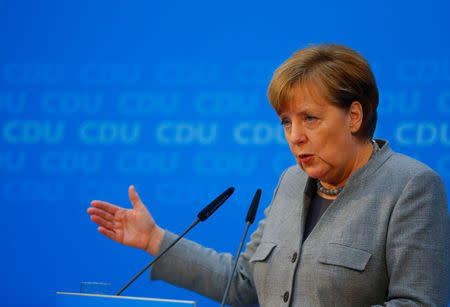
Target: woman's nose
297	135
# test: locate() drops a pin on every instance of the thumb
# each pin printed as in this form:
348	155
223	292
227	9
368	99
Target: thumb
134	198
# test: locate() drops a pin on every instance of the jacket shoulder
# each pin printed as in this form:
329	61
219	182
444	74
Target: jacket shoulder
294	171
402	166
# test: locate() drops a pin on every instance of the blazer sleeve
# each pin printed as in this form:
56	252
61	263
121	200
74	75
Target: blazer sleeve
417	244
191	266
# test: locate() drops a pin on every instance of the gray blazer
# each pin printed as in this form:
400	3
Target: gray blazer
383	241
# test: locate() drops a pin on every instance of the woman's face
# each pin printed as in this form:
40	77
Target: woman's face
320	137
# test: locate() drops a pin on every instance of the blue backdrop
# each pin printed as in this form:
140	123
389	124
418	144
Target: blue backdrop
170	97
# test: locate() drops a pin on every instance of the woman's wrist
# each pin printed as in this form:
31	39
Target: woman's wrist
155	241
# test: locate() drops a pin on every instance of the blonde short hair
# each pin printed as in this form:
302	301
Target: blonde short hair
339	74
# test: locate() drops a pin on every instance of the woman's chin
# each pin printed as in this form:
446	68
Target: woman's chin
313	173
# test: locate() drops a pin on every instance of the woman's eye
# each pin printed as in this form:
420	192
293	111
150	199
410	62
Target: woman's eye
310	118
285	122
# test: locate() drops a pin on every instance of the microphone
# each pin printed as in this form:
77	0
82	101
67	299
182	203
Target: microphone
214	205
202	216
249	220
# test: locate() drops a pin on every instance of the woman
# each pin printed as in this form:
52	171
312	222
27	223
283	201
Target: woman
353	224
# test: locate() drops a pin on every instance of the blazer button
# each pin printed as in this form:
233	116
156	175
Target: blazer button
286	296
294	257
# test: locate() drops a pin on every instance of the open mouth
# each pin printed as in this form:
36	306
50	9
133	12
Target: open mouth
305	158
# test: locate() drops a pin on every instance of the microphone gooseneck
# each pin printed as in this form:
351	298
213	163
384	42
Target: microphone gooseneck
249	220
202	216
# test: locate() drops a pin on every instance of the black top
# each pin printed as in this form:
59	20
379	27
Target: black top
316	209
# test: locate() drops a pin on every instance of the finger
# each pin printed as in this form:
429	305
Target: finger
107	233
102	222
105	206
134	198
104	214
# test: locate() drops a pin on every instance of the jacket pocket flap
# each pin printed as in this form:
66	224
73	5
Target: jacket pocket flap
263	251
345	256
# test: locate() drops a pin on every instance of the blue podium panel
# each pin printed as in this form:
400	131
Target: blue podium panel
65	299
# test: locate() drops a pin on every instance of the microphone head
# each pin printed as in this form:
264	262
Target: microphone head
253	207
215	204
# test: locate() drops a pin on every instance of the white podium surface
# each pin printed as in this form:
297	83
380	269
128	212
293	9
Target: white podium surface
67	299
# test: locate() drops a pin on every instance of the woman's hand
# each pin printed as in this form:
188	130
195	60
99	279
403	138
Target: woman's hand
132	227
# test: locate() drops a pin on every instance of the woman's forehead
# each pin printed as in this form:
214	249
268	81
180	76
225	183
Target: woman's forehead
303	97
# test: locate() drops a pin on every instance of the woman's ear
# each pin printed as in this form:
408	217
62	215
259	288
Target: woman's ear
356	116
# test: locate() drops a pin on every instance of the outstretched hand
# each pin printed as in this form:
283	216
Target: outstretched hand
132	227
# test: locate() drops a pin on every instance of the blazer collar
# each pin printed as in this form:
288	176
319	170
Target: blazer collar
362	176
